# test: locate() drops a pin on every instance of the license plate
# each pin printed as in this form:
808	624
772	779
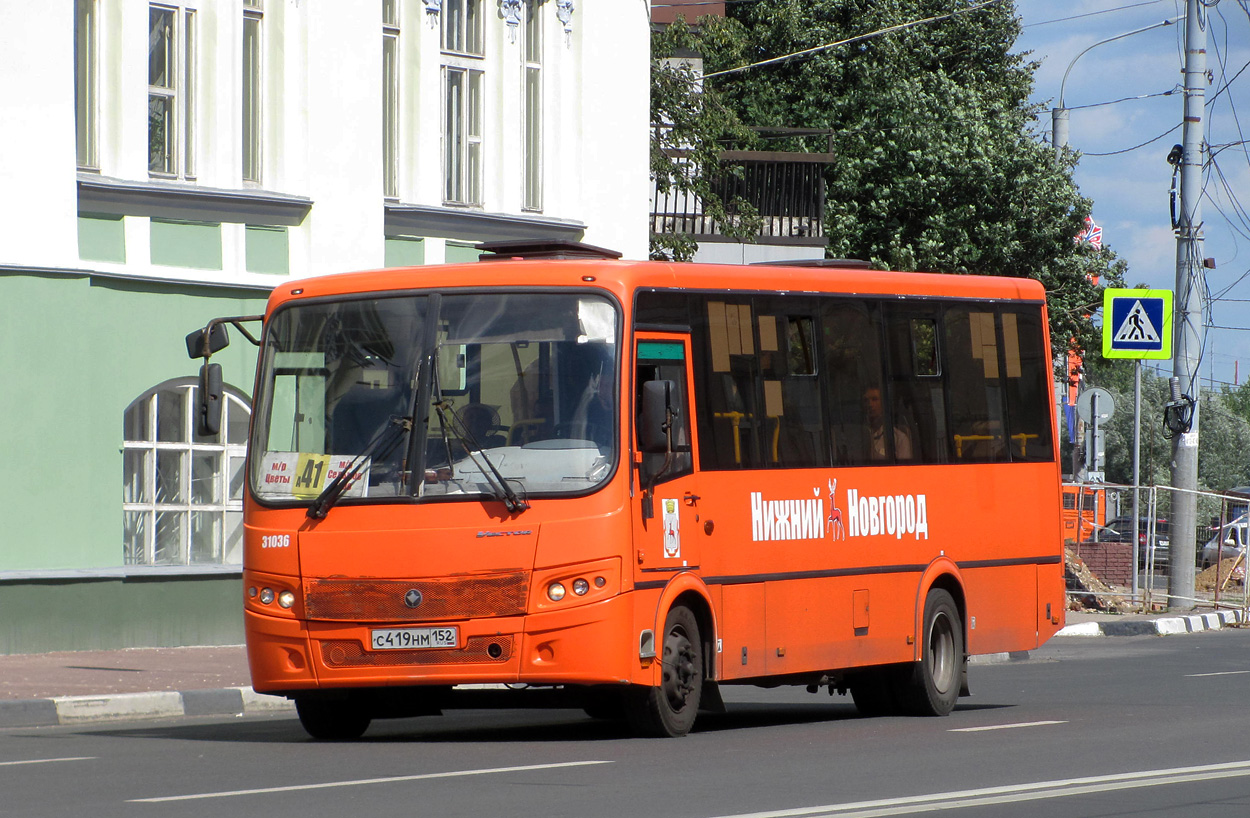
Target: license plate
413	638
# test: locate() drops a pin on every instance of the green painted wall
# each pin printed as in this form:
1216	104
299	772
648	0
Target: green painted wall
267	250
101	238
74	352
55	615
460	253
186	244
404	251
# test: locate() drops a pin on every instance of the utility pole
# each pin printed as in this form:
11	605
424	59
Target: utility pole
1188	316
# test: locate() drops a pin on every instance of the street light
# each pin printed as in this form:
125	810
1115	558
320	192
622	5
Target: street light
1059	115
1059	139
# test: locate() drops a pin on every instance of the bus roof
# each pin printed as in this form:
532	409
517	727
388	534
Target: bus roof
625	277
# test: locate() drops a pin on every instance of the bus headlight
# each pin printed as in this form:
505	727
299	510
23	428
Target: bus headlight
286	599
555	592
580	587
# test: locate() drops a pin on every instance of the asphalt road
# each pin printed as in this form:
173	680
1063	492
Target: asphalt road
1122	726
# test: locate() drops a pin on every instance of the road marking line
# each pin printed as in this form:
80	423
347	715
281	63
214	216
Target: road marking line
46	760
363	781
986	796
1004	726
1221	673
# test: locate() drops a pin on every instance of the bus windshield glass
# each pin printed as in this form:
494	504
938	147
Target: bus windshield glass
438	396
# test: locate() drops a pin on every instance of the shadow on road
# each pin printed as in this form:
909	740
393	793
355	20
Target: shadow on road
470	726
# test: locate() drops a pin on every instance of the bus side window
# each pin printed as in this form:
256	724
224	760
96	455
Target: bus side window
795	430
916	394
1027	385
975	384
731	421
852	377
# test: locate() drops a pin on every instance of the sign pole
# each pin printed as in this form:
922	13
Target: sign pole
1136	471
1189	329
1137	324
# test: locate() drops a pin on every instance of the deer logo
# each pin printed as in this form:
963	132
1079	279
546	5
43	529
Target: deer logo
834	522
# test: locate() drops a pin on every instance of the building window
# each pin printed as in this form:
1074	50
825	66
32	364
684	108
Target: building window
462	27
462	136
182	496
171	91
252	16
532	95
390	98
86	84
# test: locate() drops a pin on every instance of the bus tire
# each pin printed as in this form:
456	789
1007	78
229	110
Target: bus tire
937	678
331	719
670	709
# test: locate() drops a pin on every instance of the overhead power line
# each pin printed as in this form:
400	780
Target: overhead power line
860	38
1091	14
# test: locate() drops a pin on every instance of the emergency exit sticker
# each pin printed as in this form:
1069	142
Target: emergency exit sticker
672	530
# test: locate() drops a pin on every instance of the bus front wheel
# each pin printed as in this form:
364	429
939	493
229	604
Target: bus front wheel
331	719
937	678
670	709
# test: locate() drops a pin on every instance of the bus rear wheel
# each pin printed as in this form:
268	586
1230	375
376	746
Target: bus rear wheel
332	719
670	709
937	678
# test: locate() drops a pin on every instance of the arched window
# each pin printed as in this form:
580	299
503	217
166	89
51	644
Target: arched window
182	494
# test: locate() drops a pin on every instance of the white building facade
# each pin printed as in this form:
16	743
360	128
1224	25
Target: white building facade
168	162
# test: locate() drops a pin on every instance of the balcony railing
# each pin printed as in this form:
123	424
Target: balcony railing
786	188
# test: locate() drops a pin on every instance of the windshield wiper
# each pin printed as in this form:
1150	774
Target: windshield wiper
380	447
450	421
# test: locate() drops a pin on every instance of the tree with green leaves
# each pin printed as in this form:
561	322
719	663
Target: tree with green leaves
940	166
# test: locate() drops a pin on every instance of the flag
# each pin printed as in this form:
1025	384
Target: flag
1091	235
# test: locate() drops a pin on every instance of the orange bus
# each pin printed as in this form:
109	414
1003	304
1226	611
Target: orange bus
1084	511
554	476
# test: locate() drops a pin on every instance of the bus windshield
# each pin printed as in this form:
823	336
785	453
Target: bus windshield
437	396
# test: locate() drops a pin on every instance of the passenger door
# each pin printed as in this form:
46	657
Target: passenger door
665	502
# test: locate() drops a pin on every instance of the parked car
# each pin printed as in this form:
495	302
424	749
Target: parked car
1229	541
1120	529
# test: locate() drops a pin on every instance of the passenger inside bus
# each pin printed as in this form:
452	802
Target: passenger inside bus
874	414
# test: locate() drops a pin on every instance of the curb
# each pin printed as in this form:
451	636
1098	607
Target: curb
1164	626
62	710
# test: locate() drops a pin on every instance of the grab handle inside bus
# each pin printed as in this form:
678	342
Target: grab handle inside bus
655	425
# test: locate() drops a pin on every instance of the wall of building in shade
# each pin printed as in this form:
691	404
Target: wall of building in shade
155	191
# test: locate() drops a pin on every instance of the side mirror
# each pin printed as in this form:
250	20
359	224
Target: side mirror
657	408
208	413
217	339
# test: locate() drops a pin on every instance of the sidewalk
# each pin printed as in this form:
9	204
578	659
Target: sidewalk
45	689
1080	623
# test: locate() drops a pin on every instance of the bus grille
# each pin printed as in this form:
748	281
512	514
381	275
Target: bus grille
370	600
349	653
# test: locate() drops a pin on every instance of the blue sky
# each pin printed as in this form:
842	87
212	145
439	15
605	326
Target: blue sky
1129	185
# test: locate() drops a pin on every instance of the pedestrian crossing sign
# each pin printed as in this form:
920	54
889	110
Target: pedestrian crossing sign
1137	323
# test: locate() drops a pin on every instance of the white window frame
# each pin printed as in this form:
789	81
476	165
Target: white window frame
462	134
252	71
153	502
390	98
87	82
532	105
462	27
177	156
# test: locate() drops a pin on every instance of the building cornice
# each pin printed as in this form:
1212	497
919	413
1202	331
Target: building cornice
169	200
475	225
